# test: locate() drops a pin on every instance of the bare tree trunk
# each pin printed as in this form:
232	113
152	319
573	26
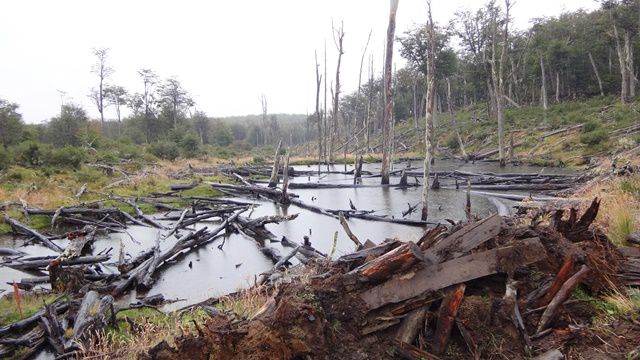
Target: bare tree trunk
498	79
415	102
624	85
454	122
431	86
595	70
326	132
557	87
318	115
388	95
273	181
364	52
336	100
628	45
263	102
369	107
543	88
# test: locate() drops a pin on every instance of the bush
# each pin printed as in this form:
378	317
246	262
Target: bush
88	175
190	145
165	150
30	153
452	142
68	156
594	137
5	159
590	126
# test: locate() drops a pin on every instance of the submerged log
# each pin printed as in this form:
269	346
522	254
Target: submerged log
439	276
44	261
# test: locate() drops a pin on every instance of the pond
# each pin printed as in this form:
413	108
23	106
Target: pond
210	272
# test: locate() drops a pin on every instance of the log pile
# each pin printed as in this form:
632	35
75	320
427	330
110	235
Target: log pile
455	288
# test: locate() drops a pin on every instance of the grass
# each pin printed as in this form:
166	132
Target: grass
31	303
621	225
246	303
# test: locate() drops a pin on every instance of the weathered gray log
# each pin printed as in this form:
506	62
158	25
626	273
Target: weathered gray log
411	325
466	239
288	257
43	261
271	219
16	225
559	131
148	219
554	354
180	187
92	316
78	242
53	329
439	276
350	234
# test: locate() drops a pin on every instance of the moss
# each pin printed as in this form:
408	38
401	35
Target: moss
202	190
30	303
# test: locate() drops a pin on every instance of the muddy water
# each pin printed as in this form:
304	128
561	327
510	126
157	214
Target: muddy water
215	272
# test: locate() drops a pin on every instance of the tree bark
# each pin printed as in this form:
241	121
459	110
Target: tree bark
543	87
336	95
318	115
273	181
455	123
429	108
388	95
595	71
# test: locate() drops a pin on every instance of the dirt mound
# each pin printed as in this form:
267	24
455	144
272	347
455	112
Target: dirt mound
486	290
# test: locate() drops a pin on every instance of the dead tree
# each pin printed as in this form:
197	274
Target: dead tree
266	127
595	71
387	116
318	115
431	88
454	122
497	74
338	36
543	87
103	71
273	181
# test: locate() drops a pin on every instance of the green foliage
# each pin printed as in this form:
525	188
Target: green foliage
11	125
164	150
69	128
30	153
452	142
67	156
89	175
20	174
590	126
5	159
594	137
190	145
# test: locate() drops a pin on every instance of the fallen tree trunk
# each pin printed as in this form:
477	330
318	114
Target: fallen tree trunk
562	295
44	261
16	225
383	267
439	276
78	240
92	316
447	317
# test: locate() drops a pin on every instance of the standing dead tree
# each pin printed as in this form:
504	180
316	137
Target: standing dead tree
543	87
497	75
318	114
595	70
103	71
338	36
428	134
265	126
388	95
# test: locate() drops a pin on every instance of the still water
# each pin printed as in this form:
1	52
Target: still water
214	272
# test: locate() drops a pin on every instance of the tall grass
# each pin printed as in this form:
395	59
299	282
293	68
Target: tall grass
621	223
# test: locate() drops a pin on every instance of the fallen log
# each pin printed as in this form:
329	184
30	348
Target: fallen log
350	234
92	316
447	317
466	239
562	295
410	352
149	220
60	306
562	277
78	241
411	325
559	131
44	261
439	276
383	267
16	225
359	257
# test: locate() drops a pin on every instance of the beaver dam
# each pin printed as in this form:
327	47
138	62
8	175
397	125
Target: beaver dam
349	269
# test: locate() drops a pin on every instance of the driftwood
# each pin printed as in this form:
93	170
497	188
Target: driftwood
92	316
78	241
16	225
358	257
459	270
149	220
41	262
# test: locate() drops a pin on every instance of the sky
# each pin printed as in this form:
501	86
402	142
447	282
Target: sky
225	53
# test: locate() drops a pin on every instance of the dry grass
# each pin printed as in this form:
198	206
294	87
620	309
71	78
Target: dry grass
245	303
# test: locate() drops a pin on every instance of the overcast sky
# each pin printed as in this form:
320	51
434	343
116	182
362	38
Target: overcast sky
226	53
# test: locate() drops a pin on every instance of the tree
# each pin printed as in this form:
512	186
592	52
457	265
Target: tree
103	71
318	115
148	99
388	96
117	96
68	128
11	125
175	98
201	126
338	36
428	135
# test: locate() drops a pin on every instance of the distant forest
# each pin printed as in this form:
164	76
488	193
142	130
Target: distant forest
574	56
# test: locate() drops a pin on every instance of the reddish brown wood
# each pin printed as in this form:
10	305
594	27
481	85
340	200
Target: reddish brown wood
562	295
447	317
385	266
561	278
410	352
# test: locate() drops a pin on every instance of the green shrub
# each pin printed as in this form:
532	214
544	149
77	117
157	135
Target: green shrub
258	160
68	156
190	146
165	150
30	153
594	137
5	159
590	126
452	142
20	174
88	175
